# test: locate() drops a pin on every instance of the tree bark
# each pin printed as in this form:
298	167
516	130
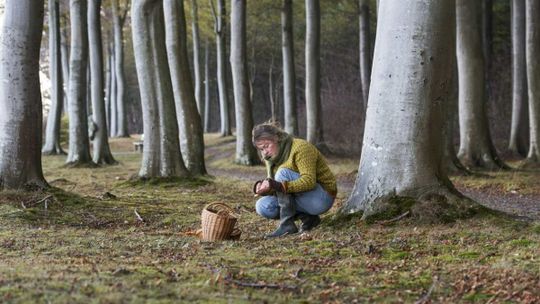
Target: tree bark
52	131
403	141
289	74
65	68
102	152
20	96
532	51
108	79
313	73
245	152
79	145
476	148
113	105
219	29
161	156
365	49
519	131
206	88
121	123
189	120
197	57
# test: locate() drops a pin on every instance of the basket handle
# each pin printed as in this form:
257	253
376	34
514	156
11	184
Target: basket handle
225	206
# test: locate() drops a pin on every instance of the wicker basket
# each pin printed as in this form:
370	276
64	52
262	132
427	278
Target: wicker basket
218	220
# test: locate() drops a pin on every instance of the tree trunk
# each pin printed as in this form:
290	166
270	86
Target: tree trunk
113	105
65	67
161	156
219	28
206	88
245	152
487	32
519	131
289	74
313	73
196	57
532	51
476	148
403	140
52	132
20	97
121	123
365	49
79	145
102	152
189	120
108	88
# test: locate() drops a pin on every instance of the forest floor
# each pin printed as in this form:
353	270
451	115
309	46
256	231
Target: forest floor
98	236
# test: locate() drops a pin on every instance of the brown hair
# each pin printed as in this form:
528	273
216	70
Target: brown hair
268	130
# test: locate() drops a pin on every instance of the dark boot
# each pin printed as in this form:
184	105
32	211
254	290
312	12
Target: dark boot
308	221
287	212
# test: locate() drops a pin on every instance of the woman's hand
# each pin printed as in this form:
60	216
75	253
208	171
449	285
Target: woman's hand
263	187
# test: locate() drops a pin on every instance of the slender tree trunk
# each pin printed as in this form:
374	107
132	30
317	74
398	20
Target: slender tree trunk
206	88
79	145
313	73
365	49
88	102
65	68
52	132
476	148
121	123
532	51
197	57
161	156
289	74
108	89
519	131
219	29
273	102
102	152
113	104
189	120
245	152
403	140
20	97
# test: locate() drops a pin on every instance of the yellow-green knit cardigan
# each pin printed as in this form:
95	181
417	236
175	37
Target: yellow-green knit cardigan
309	162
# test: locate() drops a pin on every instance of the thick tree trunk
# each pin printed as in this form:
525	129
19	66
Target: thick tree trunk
365	49
206	88
52	132
519	129
161	156
196	57
289	74
476	148
79	145
403	140
121	123
219	28
245	152
102	152
20	97
487	32
313	73
189	120
532	51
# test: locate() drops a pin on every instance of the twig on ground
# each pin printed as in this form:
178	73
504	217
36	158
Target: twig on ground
426	296
259	285
139	218
43	200
395	219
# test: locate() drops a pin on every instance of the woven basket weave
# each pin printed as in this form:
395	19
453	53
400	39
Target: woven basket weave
218	220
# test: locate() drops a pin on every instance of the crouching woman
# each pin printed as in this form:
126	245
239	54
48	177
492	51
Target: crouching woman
299	183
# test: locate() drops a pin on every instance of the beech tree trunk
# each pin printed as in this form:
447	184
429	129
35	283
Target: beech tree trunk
102	152
476	148
313	73
113	105
532	51
206	88
289	74
65	67
196	57
365	49
108	79
79	145
403	139
20	96
245	152
118	23
161	156
189	120
219	28
519	129
52	131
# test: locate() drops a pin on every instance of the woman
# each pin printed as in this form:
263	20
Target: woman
299	184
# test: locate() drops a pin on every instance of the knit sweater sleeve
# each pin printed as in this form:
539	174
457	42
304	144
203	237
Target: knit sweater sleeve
306	163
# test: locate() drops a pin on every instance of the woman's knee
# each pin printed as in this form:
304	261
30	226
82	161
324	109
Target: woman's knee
286	174
266	207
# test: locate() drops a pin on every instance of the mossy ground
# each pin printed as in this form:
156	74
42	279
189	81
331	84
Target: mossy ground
88	245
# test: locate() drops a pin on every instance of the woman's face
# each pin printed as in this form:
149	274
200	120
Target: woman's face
267	147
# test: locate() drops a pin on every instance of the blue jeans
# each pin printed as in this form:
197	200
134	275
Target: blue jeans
314	202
